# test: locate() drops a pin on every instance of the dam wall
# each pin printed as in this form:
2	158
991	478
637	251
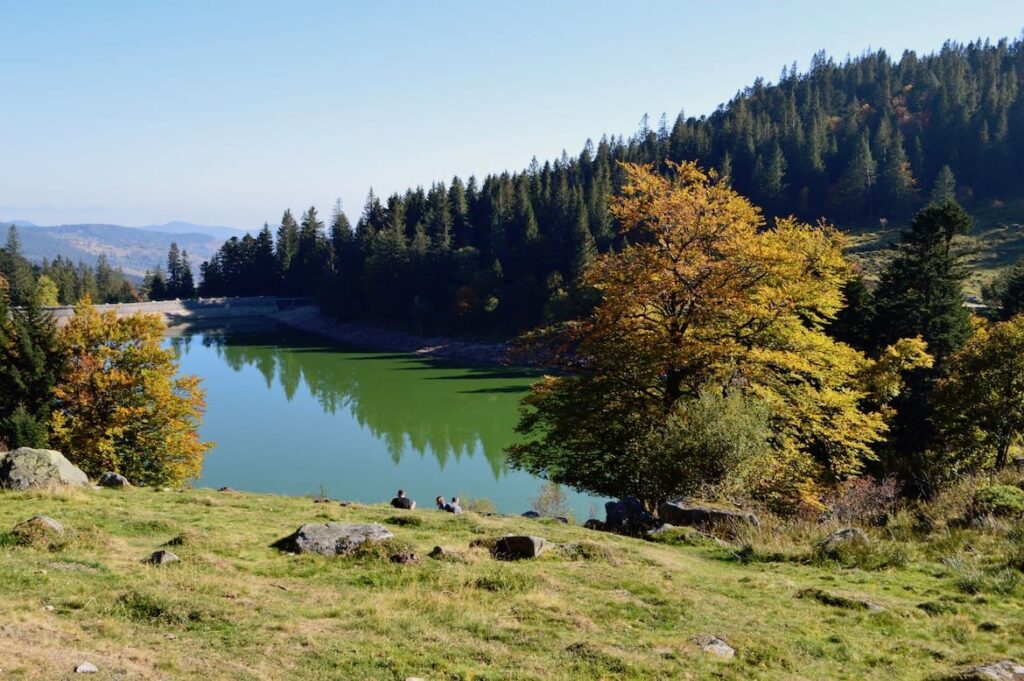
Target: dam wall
197	310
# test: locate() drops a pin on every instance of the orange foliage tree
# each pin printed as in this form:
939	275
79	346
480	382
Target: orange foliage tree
121	406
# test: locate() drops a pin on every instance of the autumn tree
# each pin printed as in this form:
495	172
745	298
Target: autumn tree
705	298
121	406
980	406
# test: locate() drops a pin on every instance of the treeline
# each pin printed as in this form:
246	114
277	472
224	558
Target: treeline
59	281
176	282
858	141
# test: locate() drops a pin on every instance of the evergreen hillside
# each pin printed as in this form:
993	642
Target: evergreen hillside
862	143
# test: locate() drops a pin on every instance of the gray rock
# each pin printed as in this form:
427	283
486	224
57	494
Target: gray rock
112	479
333	539
162	557
715	646
27	468
847	535
1004	670
660	529
518	547
86	668
627	516
705	517
37	527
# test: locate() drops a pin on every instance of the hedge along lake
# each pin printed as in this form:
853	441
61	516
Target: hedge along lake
290	413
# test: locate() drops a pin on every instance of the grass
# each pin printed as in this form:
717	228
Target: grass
603	607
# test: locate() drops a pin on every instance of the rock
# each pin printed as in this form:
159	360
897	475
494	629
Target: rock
404	558
333	539
227	490
705	517
660	529
627	516
1004	670
837	601
86	668
48	608
27	468
531	514
715	646
847	535
518	547
38	526
537	516
112	479
594	524
162	557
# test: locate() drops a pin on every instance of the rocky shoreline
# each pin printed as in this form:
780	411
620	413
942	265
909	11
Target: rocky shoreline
310	320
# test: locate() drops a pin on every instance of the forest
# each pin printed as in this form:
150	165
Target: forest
862	142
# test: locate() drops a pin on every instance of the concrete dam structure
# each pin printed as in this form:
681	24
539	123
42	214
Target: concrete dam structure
195	311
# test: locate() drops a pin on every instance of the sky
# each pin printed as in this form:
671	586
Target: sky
226	113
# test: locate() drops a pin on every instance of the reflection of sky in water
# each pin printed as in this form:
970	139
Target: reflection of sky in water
290	414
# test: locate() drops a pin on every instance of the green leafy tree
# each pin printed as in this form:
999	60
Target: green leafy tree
1006	292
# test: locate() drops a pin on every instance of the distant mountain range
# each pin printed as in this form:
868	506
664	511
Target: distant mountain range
133	249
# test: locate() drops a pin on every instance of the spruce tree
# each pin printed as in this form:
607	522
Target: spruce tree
944	188
285	250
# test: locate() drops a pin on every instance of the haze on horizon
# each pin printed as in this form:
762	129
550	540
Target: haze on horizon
226	113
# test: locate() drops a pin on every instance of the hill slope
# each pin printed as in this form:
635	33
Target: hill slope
235	608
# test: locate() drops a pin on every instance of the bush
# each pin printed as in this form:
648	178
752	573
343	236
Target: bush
481	505
551	501
862	501
23	429
1003	501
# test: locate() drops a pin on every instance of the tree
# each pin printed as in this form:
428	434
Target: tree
46	293
15	269
154	285
187	286
30	366
704	298
980	405
121	406
944	189
1006	292
285	250
175	272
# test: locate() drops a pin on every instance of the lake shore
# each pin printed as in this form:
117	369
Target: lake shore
366	337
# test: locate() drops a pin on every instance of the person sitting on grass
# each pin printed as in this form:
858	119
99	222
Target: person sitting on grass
402	501
443	505
455	507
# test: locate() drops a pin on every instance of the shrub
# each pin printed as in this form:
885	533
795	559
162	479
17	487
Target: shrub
999	500
551	501
862	501
480	505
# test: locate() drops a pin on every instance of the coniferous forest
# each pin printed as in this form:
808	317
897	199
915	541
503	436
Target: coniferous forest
855	142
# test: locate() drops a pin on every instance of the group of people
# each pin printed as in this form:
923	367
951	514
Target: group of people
404	502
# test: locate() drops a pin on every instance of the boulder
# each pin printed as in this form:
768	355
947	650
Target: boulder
333	539
518	547
27	468
594	524
715	646
86	668
627	516
112	479
531	514
705	517
37	527
161	557
847	535
1003	670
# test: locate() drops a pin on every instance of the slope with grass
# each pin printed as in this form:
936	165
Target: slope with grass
612	607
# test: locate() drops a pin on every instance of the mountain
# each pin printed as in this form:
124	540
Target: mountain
133	249
179	227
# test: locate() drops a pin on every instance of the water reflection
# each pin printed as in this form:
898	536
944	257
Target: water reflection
408	404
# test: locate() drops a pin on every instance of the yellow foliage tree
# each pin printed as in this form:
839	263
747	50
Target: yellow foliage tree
120	406
705	294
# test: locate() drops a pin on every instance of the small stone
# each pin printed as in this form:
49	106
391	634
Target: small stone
847	535
715	646
171	637
517	547
48	608
162	557
86	668
405	558
114	480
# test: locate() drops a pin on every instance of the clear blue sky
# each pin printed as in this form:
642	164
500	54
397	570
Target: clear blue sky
144	111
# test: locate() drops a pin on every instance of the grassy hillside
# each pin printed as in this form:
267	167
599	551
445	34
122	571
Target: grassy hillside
235	608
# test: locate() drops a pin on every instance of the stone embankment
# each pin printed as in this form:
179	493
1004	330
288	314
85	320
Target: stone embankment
202	309
309	319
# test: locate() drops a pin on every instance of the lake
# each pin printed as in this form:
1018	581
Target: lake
290	413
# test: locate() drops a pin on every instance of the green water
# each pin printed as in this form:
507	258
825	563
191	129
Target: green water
292	414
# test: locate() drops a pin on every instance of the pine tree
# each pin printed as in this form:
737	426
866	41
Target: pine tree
944	188
285	250
174	273
187	288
